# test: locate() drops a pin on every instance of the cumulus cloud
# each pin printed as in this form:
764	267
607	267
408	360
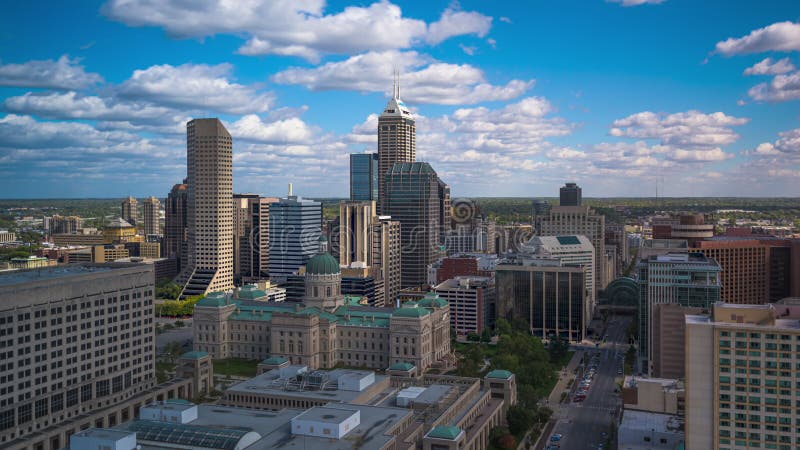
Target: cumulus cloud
780	36
787	145
780	89
65	73
636	2
691	128
297	27
194	86
253	128
18	131
769	67
423	79
71	105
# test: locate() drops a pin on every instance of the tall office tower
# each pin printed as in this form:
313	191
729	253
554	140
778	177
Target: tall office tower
571	251
209	162
77	350
686	279
397	141
355	231
387	255
413	197
250	237
364	176
548	294
63	224
745	269
175	232
152	210
540	208
130	210
295	225
580	220
741	385
570	195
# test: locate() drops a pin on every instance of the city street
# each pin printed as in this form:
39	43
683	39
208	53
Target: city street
587	424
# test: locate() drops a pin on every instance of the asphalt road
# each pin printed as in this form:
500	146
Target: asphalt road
582	424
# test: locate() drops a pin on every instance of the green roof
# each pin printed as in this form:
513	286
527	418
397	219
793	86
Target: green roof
432	300
274	360
411	312
503	374
322	264
404	366
179	401
250	292
215	299
445	432
194	355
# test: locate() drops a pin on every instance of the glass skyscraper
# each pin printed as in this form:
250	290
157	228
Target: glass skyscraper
364	176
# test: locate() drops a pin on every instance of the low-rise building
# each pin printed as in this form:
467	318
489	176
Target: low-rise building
649	431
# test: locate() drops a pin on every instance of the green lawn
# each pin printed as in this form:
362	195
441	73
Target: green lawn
236	367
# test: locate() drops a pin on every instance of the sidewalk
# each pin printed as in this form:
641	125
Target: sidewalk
563	378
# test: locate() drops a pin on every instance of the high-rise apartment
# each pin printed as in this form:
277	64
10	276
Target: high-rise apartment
364	176
130	210
175	233
686	279
62	224
580	220
209	208
387	255
745	269
152	211
397	135
741	377
295	225
413	197
570	195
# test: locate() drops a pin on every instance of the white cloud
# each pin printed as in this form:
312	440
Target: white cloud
253	128
788	145
297	27
636	2
25	132
71	105
781	88
456	23
199	87
65	73
780	36
691	128
423	80
768	67
469	50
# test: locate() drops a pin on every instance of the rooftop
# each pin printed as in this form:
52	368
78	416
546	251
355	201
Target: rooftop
63	271
445	432
646	421
323	385
504	374
194	355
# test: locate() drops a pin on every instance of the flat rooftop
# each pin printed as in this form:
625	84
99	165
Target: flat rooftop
49	273
270	383
103	433
326	414
647	421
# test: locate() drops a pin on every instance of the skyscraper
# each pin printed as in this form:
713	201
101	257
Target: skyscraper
175	233
355	228
151	209
364	176
570	195
251	236
396	140
209	207
295	225
387	254
130	210
414	197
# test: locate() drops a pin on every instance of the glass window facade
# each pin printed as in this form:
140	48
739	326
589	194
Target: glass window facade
364	176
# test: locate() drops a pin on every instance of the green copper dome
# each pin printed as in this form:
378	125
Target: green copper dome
322	264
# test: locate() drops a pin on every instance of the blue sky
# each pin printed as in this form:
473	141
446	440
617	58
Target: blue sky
512	98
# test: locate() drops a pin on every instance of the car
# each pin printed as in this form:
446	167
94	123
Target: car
556	437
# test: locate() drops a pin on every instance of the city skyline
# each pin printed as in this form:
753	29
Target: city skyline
629	93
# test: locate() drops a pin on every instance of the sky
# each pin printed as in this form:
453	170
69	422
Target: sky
624	97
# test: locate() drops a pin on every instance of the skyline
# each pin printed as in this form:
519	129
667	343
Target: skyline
638	90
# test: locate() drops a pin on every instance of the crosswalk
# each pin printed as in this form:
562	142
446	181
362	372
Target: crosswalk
599	408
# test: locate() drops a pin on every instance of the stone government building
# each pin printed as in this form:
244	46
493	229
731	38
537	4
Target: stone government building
326	329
